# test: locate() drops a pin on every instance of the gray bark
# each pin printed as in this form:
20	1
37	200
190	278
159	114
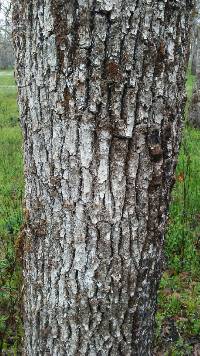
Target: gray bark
194	112
195	38
194	50
101	96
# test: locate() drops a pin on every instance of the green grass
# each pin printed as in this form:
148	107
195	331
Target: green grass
11	192
8	108
11	182
178	315
11	167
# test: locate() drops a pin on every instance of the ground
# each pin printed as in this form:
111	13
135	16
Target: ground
178	315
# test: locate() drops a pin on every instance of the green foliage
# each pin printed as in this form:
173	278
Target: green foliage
10	320
11	192
178	316
9	115
182	248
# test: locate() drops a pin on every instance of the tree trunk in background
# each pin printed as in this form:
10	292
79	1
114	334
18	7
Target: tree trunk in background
194	50
101	95
195	40
194	112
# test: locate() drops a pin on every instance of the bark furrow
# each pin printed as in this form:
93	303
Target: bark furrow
101	96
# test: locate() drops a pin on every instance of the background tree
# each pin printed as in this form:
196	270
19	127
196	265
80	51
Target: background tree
194	114
6	43
101	94
195	37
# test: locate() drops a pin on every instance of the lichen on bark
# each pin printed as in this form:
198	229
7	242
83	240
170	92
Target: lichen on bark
101	97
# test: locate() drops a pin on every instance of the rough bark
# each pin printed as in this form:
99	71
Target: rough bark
195	37
194	51
194	112
101	96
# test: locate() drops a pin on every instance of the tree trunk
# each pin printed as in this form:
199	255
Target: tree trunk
194	51
194	112
195	38
101	96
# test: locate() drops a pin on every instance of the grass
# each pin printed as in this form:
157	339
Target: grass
11	167
178	315
11	191
8	108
